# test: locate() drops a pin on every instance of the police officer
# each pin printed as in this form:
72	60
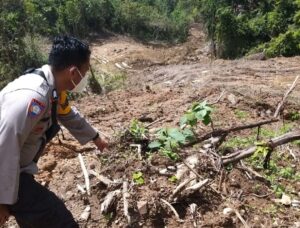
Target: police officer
30	108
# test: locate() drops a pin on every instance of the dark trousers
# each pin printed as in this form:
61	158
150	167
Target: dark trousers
37	207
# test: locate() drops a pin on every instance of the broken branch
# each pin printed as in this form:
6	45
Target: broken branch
285	97
280	140
172	209
102	178
125	201
85	174
180	187
109	200
221	132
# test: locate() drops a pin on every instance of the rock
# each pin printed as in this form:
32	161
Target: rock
286	200
228	211
142	207
295	203
207	146
163	172
232	99
171	168
193	160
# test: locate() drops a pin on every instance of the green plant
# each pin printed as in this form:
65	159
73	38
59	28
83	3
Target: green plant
137	130
278	189
169	140
138	178
287	172
262	149
108	216
295	115
198	112
173	179
270	209
170	154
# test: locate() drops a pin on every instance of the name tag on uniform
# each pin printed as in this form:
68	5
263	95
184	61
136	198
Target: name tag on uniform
35	108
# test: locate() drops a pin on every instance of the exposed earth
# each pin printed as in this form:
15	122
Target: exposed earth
156	84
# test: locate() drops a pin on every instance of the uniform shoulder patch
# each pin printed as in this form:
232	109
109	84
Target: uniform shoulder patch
35	108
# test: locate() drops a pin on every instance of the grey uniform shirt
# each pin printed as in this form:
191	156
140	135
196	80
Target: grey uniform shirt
25	115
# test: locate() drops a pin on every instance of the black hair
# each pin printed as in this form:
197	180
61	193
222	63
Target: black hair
67	51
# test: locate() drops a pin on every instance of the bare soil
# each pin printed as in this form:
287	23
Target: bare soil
161	83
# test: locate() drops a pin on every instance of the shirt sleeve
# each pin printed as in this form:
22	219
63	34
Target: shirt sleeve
70	118
19	112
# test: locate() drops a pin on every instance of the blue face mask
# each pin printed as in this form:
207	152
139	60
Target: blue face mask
81	85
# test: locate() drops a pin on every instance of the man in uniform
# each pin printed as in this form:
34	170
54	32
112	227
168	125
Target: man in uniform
30	107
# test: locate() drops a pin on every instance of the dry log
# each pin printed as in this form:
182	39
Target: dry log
285	97
222	132
197	186
102	178
181	187
109	200
277	141
85	174
125	201
241	219
86	213
193	209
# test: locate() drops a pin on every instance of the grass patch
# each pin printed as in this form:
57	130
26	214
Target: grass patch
241	114
240	142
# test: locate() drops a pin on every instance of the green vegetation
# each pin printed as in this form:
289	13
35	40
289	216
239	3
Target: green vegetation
198	112
169	140
173	179
138	178
240	142
275	172
235	28
240	27
241	114
137	130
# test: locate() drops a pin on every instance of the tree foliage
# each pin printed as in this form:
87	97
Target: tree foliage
242	26
235	27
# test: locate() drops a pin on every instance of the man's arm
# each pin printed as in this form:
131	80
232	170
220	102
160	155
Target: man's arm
77	125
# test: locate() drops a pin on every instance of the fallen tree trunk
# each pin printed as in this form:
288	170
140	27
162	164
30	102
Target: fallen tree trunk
220	132
275	142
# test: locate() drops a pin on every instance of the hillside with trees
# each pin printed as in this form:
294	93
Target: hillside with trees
235	27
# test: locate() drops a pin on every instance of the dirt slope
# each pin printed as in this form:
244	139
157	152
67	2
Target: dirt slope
161	83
